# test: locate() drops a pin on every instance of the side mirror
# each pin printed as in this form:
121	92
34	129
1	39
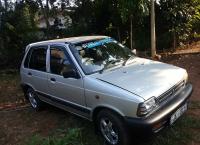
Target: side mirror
70	73
134	51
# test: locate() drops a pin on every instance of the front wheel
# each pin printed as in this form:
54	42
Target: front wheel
33	99
112	128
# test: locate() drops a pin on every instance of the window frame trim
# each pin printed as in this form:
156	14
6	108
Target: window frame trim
67	54
27	56
30	50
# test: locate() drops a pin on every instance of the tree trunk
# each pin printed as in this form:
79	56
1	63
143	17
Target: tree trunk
131	31
174	40
0	4
47	8
45	14
118	33
0	22
6	4
153	31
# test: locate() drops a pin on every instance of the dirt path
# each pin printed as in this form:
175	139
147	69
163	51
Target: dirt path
189	49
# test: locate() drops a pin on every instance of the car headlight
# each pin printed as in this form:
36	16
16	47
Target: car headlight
185	77
146	107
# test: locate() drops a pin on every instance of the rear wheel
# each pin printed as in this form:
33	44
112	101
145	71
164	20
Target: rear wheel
112	128
35	102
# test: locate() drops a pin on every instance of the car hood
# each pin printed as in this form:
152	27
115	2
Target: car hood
144	77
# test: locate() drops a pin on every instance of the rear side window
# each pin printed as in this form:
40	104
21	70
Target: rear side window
38	59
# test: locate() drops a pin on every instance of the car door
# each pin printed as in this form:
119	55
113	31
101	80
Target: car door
68	91
35	68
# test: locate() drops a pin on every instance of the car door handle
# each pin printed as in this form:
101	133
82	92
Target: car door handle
29	73
53	79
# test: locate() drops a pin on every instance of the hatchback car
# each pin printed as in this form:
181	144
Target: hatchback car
100	79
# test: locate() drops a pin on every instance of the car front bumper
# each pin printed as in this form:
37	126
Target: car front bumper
161	118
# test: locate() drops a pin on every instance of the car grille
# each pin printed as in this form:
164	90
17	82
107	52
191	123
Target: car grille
171	92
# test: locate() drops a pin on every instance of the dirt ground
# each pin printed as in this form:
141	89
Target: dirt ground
17	124
191	62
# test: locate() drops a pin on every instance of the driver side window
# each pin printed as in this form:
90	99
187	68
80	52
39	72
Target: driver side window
59	63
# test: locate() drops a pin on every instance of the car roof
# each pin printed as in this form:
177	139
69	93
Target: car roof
72	40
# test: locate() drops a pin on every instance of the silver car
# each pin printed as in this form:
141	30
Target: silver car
100	79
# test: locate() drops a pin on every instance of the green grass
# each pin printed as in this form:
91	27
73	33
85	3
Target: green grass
9	79
71	137
70	130
9	75
195	105
10	90
183	132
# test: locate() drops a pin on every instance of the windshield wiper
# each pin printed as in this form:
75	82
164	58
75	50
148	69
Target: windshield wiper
108	63
129	58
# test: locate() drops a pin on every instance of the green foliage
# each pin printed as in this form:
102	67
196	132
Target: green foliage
17	30
181	17
136	8
175	20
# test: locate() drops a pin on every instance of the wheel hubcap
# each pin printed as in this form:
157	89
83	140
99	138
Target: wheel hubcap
32	100
109	131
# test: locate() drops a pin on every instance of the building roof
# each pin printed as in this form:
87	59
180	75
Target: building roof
72	40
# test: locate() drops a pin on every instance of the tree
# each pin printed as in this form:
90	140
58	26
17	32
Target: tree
132	11
153	31
17	30
6	4
178	15
84	16
126	20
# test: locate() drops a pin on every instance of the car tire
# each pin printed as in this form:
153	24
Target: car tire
112	128
33	99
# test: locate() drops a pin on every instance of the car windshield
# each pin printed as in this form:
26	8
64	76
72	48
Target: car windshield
98	55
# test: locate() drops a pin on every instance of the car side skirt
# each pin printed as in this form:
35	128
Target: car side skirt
67	106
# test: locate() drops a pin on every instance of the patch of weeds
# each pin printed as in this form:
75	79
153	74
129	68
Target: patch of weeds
10	90
197	136
173	136
189	122
89	137
194	105
182	132
71	137
9	74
